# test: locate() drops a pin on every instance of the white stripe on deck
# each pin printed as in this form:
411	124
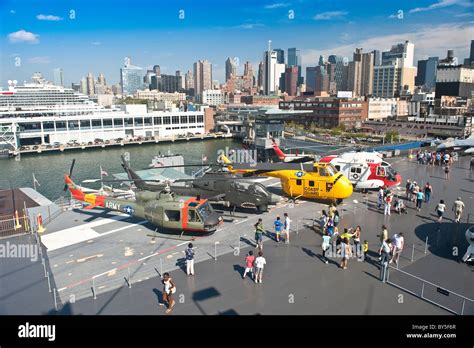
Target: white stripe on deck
78	234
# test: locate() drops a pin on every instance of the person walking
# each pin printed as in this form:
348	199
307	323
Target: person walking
471	164
286	228
356	239
380	198
384	235
189	252
440	209
446	171
419	199
388	203
366	249
428	190
458	207
277	226
408	189
384	251
169	288
323	220
260	262
325	245
249	265
259	233
345	252
398	242
336	221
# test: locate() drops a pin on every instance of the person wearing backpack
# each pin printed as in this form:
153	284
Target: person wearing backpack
169	288
189	252
259	233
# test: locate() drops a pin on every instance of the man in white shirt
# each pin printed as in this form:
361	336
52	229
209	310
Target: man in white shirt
398	243
286	228
260	262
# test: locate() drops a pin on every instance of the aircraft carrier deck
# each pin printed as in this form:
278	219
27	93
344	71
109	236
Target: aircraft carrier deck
101	262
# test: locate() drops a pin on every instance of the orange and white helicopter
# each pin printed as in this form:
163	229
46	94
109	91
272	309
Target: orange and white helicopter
365	170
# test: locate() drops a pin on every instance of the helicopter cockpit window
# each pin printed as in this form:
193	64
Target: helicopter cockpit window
173	215
391	173
380	171
331	169
193	216
241	186
257	188
323	171
204	211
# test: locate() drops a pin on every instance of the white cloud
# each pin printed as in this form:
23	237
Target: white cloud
324	16
97	43
42	17
39	60
12	11
467	14
277	5
23	36
249	26
392	16
441	4
429	41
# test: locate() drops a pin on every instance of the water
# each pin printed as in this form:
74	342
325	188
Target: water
49	168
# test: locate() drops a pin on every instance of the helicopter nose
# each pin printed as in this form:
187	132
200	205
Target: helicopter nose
274	199
212	221
344	187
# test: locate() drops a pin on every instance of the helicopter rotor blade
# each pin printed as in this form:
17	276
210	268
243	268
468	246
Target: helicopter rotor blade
70	172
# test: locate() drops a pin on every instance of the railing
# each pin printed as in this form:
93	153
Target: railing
433	293
12	226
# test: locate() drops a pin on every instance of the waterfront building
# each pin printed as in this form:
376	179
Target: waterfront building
212	97
381	108
454	80
160	96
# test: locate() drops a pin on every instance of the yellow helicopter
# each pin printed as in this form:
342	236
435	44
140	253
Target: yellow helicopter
307	180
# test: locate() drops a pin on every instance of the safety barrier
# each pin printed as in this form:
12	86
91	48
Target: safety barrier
430	292
15	225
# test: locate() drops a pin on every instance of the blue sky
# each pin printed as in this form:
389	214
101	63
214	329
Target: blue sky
98	34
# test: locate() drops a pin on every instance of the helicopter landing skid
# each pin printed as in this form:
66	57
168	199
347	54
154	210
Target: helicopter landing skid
167	236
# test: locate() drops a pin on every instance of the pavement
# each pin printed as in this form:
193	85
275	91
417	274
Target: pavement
114	258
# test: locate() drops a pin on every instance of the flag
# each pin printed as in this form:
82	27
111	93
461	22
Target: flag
103	172
35	182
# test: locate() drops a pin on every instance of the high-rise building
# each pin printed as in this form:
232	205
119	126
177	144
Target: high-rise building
453	79
188	80
294	59
360	73
377	57
471	54
426	73
157	70
396	75
311	78
58	77
202	77
76	87
291	80
101	80
83	85
166	83
260	76
131	78
280	55
230	68
272	73
90	84
338	62
181	76
248	69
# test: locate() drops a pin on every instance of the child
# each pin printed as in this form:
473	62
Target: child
366	249
260	262
249	261
330	227
259	233
323	220
277	225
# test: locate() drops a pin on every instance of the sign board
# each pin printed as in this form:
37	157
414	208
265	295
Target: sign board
344	94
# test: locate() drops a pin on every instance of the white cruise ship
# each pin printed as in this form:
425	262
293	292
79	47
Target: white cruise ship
39	113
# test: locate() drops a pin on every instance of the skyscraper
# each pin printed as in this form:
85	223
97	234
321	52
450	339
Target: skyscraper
377	57
294	59
131	78
471	54
188	80
360	73
230	68
90	84
280	55
181	76
157	70
338	61
260	76
291	80
58	77
311	78
83	85
426	72
269	76
396	75
202	77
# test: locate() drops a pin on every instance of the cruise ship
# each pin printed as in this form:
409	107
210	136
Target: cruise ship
40	113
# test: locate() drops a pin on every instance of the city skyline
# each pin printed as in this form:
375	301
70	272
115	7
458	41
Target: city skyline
87	37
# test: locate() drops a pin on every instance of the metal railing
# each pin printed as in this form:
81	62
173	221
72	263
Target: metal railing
11	226
435	294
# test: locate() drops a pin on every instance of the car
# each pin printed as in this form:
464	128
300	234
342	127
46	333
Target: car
107	142
98	141
119	140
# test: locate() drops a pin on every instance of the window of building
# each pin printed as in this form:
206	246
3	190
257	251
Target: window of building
184	119
48	125
107	122
118	121
96	123
129	122
85	124
148	121
167	120
138	121
192	119
157	120
175	119
60	125
200	119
